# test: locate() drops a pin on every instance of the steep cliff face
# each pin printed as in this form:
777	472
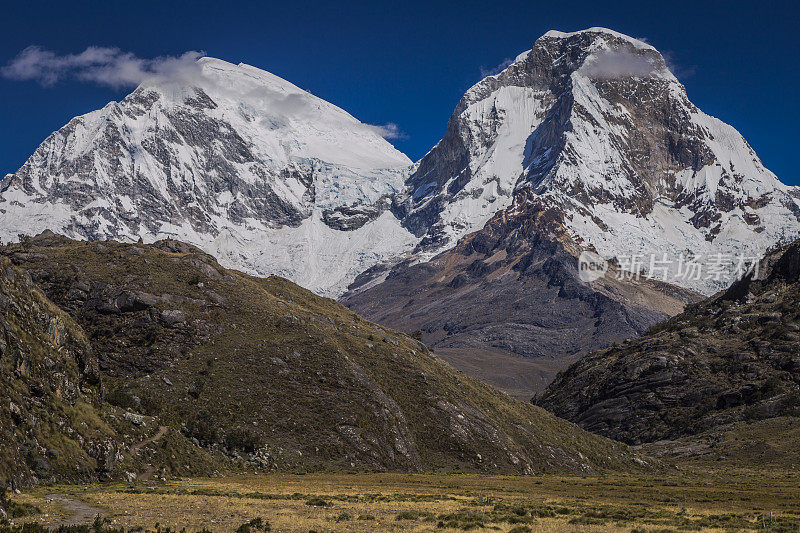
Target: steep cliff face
725	361
595	126
49	378
246	165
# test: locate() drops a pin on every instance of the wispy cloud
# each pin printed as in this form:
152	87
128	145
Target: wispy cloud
101	65
681	72
302	106
497	69
390	131
113	67
609	64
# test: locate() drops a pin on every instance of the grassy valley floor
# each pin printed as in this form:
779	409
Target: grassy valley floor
717	501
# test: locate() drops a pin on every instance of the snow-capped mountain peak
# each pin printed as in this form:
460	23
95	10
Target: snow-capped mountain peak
638	43
230	158
594	125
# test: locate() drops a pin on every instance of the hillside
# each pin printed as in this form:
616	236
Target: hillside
266	371
49	380
54	422
726	366
507	306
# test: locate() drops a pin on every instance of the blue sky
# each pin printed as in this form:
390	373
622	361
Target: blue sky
408	63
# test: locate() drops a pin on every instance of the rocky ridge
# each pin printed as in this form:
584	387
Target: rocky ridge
731	359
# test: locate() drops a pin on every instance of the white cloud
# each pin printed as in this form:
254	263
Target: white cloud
389	131
678	70
609	64
101	65
114	68
496	69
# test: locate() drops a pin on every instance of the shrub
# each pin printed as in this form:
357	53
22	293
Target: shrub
244	439
14	509
316	501
254	525
414	515
203	428
121	398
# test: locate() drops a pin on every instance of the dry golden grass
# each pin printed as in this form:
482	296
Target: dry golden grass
398	502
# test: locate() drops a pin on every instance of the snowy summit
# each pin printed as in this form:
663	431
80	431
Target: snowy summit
594	126
238	161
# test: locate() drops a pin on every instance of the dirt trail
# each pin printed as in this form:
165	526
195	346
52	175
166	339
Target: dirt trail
150	470
82	512
162	430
